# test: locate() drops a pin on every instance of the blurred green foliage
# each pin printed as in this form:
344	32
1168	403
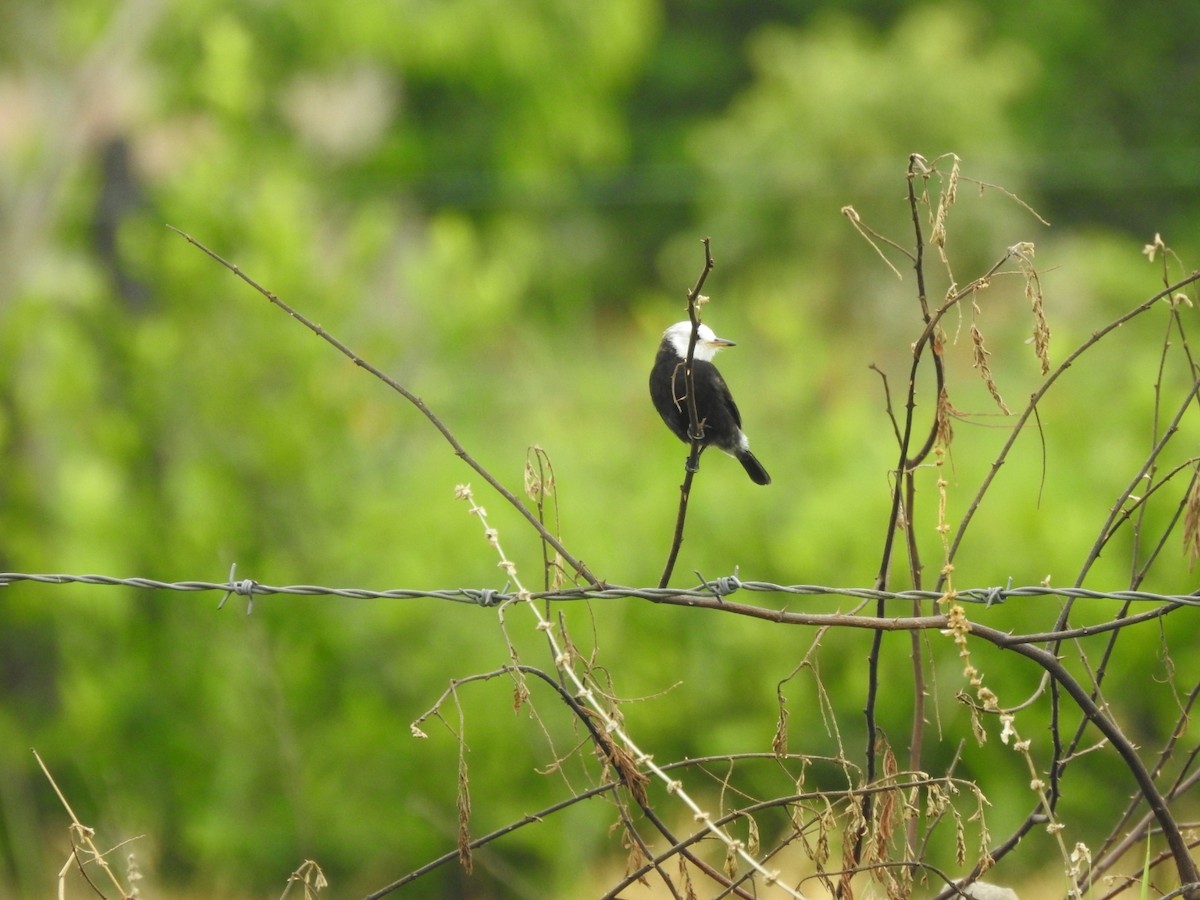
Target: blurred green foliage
501	204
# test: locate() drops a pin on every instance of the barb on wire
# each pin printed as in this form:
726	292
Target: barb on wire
244	588
723	586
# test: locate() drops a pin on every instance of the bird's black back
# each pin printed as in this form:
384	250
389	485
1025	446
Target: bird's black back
714	404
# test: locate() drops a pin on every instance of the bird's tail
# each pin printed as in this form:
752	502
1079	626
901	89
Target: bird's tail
753	467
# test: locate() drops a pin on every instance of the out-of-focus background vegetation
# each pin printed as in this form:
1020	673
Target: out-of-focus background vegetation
501	204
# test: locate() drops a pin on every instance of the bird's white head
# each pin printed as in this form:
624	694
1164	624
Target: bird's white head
707	343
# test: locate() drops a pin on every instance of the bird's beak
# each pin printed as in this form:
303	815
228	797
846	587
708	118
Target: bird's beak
721	342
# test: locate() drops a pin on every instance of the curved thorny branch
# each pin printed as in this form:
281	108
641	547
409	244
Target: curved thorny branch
580	569
1030	410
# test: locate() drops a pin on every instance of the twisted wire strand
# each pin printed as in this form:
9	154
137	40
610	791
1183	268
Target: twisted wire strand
486	597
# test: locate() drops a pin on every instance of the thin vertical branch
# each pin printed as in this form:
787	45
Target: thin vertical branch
899	515
917	733
695	426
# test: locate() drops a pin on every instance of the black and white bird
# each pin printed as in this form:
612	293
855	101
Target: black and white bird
720	421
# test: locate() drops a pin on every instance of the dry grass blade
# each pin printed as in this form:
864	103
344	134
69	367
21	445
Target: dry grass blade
310	876
980	354
1191	523
1023	253
871	236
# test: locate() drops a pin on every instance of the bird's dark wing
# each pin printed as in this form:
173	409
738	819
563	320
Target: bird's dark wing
721	391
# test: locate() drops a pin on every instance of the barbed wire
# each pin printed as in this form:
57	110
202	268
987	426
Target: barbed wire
706	590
